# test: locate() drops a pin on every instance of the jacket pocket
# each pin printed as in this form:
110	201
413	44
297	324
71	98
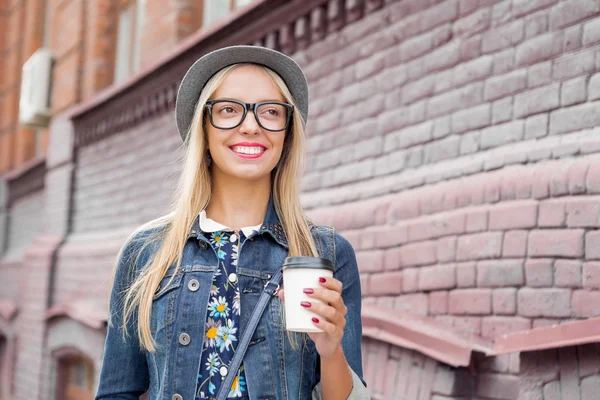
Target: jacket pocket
163	303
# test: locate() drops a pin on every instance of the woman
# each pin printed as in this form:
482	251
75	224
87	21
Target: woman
184	290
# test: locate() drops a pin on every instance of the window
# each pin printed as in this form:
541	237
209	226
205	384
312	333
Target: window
217	9
129	36
77	378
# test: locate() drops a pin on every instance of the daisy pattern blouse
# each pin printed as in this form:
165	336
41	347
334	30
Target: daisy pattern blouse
223	316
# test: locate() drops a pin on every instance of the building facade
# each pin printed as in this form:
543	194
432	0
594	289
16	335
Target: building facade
453	142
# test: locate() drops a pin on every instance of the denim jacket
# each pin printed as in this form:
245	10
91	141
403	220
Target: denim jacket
274	369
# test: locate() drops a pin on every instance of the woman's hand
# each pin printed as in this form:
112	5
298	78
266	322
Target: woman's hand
331	315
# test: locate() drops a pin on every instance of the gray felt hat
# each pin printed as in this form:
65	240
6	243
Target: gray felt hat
205	67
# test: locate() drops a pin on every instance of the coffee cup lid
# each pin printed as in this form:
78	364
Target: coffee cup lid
307	262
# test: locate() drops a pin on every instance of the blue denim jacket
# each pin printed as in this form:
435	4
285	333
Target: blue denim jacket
274	369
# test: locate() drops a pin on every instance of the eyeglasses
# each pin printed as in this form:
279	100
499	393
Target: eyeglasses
272	116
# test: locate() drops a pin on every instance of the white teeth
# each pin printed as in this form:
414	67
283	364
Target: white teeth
248	150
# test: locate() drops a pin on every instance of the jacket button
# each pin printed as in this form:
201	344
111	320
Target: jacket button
176	396
193	285
184	339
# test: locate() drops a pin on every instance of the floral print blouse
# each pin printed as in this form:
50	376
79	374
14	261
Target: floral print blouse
223	316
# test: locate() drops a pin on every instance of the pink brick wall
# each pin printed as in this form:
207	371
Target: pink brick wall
454	143
395	373
566	373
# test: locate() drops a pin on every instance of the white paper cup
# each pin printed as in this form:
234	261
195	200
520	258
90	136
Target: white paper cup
300	273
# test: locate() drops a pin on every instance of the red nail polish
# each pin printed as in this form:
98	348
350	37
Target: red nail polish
308	291
322	280
315	320
305	304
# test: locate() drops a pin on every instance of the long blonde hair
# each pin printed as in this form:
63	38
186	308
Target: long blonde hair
192	195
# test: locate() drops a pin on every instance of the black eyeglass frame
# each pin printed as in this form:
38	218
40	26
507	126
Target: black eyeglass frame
250	106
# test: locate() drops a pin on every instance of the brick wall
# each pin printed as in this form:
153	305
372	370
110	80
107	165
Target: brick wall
24	224
566	373
454	143
396	373
127	179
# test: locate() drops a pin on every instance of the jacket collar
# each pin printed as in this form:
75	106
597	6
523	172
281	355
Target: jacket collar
270	225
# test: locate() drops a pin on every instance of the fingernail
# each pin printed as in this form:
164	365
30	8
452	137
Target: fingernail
305	304
315	320
322	280
308	291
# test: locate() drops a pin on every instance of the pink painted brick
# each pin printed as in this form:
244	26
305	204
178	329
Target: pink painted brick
536	126
472	71
505	85
500	273
392	259
567	273
590	387
410	280
592	245
422	253
438	302
591	275
556	242
539	48
574	118
470	301
515	244
479	246
437	277
592	181
490	385
364	284
449	223
477	220
370	261
503	37
572	11
390	236
544	302
417	303
493	327
591	32
537	100
446	249
583	212
594	85
552	213
472	118
539	74
539	272
586	304
420	229
504	301
522	7
513	215
573	91
465	274
569	374
576	176
385	283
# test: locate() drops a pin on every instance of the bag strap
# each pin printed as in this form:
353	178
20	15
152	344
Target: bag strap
270	290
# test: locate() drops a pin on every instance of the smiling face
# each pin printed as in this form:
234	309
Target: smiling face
247	151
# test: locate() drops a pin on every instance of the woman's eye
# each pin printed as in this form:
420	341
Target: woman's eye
227	110
272	112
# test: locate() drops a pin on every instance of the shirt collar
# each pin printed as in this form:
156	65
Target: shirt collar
209	225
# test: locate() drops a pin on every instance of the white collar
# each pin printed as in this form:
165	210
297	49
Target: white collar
209	225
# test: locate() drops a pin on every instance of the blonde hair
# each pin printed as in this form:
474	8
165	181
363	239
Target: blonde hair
192	195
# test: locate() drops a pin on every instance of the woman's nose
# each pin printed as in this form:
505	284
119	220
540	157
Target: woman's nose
249	124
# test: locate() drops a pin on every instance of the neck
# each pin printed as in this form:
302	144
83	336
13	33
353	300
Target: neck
238	203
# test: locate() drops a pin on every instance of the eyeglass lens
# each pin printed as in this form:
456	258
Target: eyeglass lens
227	115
